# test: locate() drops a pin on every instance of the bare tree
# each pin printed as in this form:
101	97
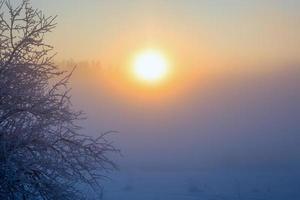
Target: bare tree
42	153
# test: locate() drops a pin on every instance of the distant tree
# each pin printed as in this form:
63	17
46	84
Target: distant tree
42	153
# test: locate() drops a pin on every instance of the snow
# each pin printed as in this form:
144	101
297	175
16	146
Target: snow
217	184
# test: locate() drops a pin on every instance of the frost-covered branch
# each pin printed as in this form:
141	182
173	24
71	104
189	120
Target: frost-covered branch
42	153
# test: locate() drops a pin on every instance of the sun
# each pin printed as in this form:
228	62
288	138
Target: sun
150	66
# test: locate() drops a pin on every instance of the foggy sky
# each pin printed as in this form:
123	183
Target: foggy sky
234	118
194	32
245	112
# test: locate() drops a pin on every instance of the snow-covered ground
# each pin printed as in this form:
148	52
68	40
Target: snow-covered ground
204	185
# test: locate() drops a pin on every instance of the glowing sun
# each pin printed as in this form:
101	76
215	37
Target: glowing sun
150	66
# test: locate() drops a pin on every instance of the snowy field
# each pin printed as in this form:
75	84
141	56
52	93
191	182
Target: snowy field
204	185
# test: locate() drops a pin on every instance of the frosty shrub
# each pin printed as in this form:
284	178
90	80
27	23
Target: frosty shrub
42	153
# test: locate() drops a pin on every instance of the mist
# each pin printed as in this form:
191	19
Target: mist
232	119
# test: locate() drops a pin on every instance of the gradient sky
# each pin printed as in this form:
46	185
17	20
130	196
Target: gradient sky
211	116
194	32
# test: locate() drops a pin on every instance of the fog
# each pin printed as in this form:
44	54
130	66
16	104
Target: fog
235	118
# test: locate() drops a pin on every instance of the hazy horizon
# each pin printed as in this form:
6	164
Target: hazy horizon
231	118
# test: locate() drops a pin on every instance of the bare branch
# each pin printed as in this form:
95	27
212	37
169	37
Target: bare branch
43	155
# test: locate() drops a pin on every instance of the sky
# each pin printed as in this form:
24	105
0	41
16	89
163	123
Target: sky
192	32
233	101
